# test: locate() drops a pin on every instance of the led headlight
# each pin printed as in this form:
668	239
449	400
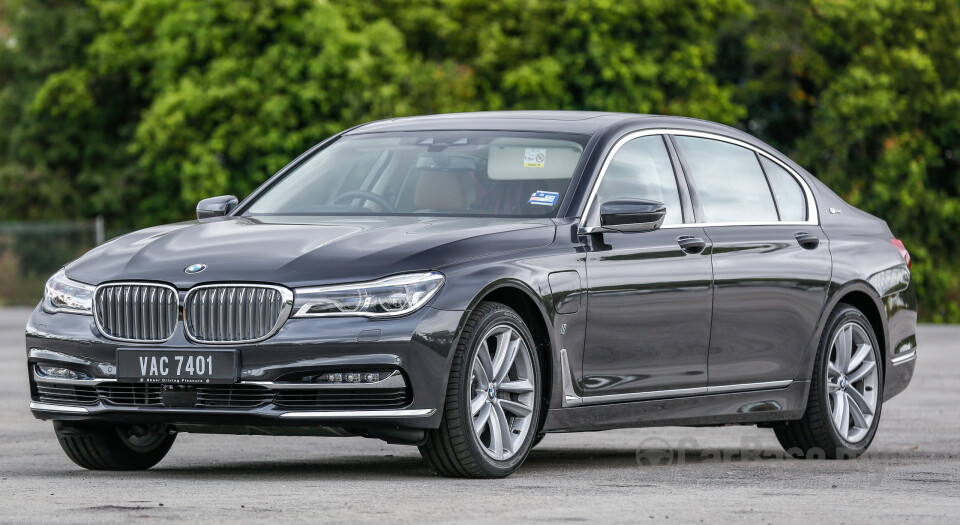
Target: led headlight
63	295
392	296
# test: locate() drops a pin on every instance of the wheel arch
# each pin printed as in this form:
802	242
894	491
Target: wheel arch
865	298
522	299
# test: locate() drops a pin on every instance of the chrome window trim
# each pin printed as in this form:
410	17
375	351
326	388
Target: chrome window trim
572	399
591	224
96	318
286	296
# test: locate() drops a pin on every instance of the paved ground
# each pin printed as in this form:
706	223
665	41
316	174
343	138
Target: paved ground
735	473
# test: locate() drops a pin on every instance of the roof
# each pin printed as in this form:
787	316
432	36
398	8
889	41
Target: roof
580	122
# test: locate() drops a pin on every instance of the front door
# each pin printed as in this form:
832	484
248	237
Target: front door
649	294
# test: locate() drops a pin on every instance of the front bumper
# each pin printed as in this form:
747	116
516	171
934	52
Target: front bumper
419	347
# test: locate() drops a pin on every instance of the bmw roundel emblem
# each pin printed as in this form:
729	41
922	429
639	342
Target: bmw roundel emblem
195	268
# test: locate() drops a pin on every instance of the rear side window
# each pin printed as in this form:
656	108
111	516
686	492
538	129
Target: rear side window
641	169
786	191
729	181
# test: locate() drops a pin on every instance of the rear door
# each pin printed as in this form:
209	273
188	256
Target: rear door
771	262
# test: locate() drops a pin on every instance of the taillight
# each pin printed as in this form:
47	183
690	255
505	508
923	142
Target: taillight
903	251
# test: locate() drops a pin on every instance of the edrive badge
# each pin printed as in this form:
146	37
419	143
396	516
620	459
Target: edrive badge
195	268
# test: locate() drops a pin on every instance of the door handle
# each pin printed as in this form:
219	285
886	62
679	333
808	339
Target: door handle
691	244
807	240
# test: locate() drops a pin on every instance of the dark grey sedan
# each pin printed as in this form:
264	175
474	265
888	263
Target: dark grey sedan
467	283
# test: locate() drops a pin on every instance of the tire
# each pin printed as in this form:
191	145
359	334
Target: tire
113	447
538	439
818	435
455	449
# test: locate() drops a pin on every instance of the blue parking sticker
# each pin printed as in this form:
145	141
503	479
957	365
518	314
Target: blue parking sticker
544	198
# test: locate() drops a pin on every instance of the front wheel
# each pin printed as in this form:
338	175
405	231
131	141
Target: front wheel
492	406
96	446
843	409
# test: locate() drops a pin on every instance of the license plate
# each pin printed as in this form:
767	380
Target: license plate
173	366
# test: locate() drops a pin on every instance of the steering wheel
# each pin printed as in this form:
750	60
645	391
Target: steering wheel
366	195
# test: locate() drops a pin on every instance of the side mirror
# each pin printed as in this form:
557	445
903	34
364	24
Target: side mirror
216	206
632	215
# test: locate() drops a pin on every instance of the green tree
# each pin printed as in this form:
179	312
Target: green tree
40	157
864	94
647	56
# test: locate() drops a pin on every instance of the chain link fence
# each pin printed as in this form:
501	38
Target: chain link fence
30	252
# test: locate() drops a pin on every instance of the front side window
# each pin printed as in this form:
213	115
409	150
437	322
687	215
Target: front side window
729	181
641	169
790	200
469	173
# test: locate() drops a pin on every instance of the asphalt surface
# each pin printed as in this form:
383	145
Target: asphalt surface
911	473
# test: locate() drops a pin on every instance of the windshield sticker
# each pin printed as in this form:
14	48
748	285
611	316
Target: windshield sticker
544	198
534	157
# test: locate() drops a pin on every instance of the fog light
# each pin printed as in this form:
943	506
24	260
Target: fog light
59	372
354	377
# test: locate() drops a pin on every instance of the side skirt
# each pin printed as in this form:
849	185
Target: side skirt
782	404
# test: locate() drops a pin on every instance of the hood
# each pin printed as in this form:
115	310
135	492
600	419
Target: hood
302	251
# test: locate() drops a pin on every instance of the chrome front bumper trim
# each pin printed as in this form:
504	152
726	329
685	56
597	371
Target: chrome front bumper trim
47	407
394	380
359	414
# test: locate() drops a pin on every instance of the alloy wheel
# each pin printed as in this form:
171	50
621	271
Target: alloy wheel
502	392
852	382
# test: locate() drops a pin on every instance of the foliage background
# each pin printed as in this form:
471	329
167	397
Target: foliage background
136	109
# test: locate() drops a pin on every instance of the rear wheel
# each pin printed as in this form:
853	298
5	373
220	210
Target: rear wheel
114	447
493	399
843	409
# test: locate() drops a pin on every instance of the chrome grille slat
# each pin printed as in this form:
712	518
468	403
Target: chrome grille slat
235	313
138	312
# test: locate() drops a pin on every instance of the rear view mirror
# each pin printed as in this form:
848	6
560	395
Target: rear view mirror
632	215
216	206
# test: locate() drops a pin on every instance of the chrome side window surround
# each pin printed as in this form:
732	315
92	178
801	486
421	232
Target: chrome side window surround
590	217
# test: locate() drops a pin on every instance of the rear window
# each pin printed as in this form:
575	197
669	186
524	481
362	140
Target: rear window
729	181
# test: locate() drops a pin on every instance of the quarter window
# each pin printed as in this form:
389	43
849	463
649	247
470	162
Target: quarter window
641	169
729	181
790	201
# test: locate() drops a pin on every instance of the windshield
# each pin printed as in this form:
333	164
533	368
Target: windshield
482	173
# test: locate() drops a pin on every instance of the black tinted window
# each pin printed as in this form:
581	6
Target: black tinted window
729	180
790	200
641	169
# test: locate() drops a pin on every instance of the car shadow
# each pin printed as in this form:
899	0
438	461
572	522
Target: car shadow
365	467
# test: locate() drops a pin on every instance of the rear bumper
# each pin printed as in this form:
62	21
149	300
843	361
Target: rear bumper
901	355
419	347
